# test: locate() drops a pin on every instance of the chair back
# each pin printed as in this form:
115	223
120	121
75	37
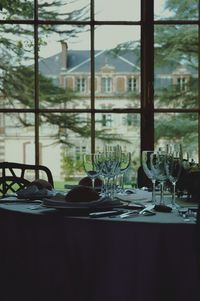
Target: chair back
16	176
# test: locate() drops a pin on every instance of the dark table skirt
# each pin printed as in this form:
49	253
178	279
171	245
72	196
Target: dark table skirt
52	257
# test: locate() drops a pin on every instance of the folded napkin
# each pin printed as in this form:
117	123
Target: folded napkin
32	192
102	203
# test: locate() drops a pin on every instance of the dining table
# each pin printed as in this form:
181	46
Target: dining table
49	253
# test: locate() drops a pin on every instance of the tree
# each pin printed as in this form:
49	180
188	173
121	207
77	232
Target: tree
177	45
17	65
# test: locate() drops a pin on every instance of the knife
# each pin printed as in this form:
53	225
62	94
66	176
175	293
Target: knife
129	213
105	213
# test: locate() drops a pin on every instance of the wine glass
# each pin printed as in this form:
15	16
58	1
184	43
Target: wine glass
173	166
110	168
146	164
124	164
186	161
157	162
90	167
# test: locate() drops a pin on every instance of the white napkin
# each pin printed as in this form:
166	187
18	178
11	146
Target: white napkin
139	195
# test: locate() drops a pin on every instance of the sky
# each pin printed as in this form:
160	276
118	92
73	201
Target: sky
106	37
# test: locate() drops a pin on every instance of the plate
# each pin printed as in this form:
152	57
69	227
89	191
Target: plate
15	200
33	197
100	204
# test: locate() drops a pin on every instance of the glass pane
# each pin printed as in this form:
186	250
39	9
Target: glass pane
126	10
17	10
176	10
17	143
117	66
63	140
122	129
76	10
64	67
178	128
176	66
16	68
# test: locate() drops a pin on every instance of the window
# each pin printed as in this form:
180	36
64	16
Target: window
52	52
130	120
132	85
106	84
181	83
80	85
106	120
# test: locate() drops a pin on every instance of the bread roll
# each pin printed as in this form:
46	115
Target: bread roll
86	181
81	194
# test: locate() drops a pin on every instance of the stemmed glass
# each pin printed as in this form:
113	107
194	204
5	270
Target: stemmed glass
110	168
111	164
146	164
186	161
124	164
90	167
157	161
173	166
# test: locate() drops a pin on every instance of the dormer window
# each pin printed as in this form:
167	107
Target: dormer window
80	85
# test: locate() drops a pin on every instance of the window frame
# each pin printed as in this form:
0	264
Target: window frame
146	109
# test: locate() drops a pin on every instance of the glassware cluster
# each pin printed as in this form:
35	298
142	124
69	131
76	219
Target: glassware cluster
162	167
110	164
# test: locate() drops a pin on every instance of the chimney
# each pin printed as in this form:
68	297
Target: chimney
64	55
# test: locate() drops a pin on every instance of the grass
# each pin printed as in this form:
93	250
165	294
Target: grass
60	184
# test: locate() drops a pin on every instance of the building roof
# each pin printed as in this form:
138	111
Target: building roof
79	61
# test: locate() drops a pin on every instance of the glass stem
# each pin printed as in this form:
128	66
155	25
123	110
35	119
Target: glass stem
93	181
161	193
153	191
122	182
174	195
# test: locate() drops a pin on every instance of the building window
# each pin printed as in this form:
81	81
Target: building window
181	84
80	85
79	151
106	84
106	120
131	84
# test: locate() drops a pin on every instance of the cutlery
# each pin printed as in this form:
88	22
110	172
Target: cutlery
35	207
105	213
129	213
146	211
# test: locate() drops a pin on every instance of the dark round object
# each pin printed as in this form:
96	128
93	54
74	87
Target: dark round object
86	181
81	194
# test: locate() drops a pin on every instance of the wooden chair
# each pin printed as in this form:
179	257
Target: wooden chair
16	176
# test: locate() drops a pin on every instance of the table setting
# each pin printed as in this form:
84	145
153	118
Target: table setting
111	242
101	192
